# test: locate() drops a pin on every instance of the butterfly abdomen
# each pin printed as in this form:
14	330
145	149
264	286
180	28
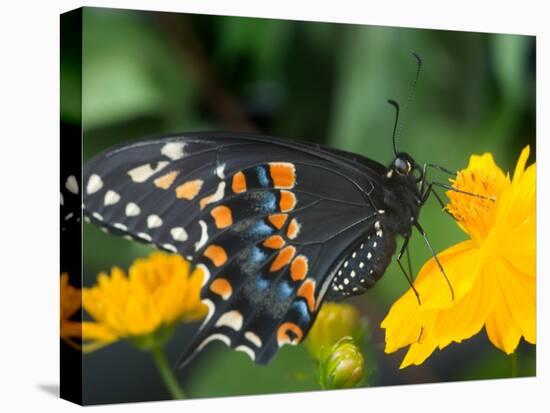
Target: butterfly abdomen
365	265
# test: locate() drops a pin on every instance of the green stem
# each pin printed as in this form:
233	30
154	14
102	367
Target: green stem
513	358
166	373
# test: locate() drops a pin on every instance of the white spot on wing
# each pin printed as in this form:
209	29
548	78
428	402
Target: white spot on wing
253	338
204	236
213	337
205	271
94	184
132	209
169	247
154	221
72	184
218	195
68	216
246	350
144	236
210	312
144	172
232	319
97	216
220	171
111	198
179	234
120	226
173	150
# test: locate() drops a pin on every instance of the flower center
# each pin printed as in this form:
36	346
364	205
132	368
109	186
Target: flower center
475	211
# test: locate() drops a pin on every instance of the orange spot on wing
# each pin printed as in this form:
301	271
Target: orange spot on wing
222	216
239	183
298	268
275	242
284	338
165	181
283	174
189	189
293	229
283	258
222	287
307	291
287	201
278	220
216	254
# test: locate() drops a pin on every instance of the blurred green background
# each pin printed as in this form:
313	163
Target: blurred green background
149	73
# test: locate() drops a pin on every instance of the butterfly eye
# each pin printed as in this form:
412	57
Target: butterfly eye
402	166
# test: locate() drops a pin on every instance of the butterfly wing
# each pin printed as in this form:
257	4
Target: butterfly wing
269	221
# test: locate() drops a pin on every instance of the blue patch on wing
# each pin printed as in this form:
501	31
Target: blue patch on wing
262	176
268	202
261	284
300	307
261	229
284	290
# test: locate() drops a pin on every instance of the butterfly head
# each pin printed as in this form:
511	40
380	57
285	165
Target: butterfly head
404	165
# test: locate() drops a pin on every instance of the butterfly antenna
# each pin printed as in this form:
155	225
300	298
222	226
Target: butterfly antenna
412	92
396	106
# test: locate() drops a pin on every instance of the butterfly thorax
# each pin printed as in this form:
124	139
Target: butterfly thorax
401	202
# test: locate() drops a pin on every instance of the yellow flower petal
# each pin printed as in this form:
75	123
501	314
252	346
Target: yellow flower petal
467	316
97	332
419	352
502	329
520	166
405	322
519	293
461	263
69	298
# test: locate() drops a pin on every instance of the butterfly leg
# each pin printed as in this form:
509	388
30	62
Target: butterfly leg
434	255
408	276
426	188
452	188
426	194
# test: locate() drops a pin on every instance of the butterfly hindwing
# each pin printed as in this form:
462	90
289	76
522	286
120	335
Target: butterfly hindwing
269	222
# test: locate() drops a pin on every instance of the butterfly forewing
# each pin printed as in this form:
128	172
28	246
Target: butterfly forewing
269	222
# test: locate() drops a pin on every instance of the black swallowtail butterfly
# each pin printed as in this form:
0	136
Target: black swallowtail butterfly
277	226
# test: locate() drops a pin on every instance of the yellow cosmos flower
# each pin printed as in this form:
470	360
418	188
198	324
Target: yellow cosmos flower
159	291
69	299
492	273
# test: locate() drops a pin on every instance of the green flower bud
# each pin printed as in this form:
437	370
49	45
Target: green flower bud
333	322
344	367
